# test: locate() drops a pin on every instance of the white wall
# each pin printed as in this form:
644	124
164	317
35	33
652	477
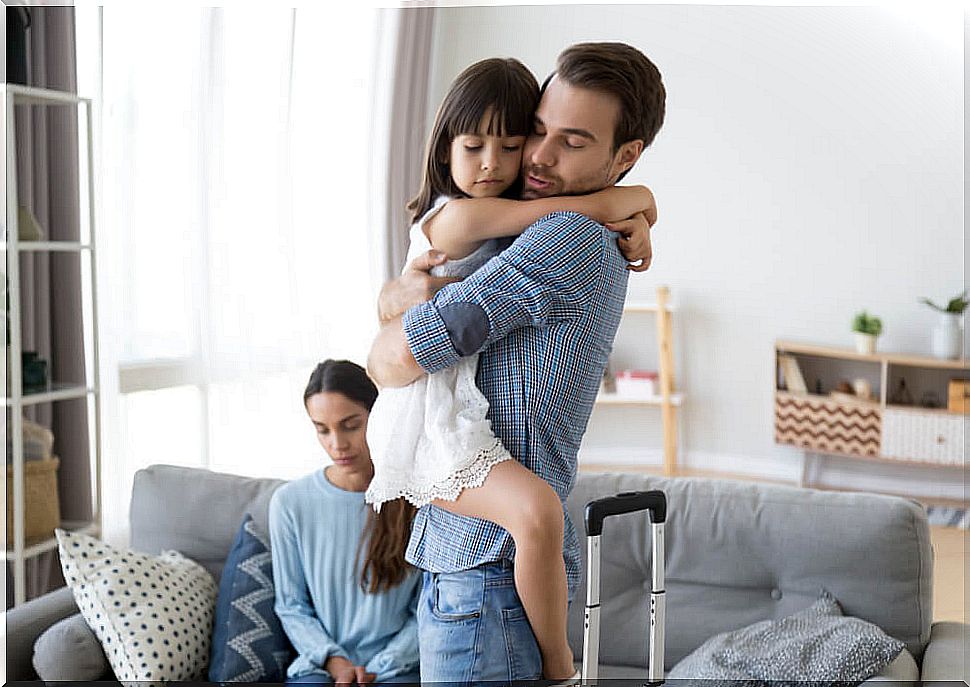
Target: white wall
811	165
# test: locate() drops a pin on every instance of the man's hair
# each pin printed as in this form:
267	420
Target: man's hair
624	72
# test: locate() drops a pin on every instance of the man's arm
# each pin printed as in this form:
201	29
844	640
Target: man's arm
390	361
415	285
547	276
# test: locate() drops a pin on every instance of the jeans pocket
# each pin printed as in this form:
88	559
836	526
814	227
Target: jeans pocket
525	661
455	599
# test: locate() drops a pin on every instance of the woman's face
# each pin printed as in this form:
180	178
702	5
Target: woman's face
341	426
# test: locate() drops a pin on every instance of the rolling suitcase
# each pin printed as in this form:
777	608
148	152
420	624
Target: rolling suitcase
596	511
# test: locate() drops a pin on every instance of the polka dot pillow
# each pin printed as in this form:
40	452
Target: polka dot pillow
152	614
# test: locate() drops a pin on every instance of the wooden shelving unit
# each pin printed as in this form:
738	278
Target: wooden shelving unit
876	430
668	400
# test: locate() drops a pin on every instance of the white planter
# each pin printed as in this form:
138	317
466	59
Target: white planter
948	336
865	343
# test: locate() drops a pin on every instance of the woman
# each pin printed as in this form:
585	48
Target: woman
344	593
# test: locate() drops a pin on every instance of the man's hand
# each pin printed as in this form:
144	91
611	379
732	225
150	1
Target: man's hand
346	673
634	241
414	286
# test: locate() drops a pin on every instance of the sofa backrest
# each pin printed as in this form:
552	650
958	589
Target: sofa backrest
195	512
739	552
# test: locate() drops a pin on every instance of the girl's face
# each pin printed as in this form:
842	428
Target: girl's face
483	165
342	431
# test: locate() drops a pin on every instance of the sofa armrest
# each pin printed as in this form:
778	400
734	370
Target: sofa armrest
945	657
26	622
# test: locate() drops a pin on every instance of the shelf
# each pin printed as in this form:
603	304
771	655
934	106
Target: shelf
929	411
643	306
832	399
890	358
56	392
31	95
53	246
614	399
49	544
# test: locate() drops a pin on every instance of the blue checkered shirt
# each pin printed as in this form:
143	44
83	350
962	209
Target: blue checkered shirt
549	307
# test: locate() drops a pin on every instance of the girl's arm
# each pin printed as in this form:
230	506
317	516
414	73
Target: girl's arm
464	224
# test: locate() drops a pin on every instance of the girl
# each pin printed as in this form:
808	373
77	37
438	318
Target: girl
431	440
323	535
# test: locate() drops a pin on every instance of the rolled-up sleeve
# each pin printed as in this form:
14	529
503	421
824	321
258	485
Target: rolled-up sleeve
548	275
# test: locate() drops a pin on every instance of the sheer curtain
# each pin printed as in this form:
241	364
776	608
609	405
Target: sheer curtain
236	248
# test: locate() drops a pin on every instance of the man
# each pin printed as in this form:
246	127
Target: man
543	315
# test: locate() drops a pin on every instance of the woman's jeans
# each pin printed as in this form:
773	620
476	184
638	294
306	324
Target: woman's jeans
325	679
472	628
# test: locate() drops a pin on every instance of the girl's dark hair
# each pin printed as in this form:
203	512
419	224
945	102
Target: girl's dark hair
386	534
501	87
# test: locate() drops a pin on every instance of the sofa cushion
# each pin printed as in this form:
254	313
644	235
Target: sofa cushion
739	552
817	644
69	650
196	512
248	641
152	615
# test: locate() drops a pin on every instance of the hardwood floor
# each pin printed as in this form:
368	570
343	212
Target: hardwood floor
949	546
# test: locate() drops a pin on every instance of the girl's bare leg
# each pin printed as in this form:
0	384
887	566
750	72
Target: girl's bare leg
523	503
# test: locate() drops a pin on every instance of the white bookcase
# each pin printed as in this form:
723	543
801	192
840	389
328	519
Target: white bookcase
18	552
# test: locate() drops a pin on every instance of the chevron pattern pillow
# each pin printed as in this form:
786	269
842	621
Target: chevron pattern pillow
248	642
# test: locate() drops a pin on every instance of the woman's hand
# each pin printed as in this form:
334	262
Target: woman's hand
344	672
634	240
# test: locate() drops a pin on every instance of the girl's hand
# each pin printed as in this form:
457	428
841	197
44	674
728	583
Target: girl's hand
634	241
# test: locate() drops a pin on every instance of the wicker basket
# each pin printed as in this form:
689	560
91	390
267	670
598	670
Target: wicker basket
42	509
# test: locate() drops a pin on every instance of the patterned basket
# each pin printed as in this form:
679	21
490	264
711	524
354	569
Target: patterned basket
824	424
42	508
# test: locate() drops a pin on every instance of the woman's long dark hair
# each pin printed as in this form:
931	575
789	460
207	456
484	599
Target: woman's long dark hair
386	534
501	87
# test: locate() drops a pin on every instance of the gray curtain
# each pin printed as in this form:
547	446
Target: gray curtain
47	185
405	116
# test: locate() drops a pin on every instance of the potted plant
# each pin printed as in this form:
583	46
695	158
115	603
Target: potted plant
948	334
866	328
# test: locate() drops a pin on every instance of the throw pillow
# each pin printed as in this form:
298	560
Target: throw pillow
818	644
152	614
69	650
248	641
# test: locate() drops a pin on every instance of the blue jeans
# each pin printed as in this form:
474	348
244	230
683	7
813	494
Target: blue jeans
472	628
325	679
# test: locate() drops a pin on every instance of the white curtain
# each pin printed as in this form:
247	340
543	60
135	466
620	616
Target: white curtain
236	228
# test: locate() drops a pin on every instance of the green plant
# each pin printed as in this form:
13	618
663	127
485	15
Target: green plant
956	305
864	323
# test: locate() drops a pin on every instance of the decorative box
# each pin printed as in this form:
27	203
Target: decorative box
959	396
638	383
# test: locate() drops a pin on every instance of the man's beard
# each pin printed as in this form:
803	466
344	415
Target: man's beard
596	181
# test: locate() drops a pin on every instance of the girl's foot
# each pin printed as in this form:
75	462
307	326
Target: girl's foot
560	668
574	680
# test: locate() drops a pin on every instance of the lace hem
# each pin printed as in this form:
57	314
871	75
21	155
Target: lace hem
421	494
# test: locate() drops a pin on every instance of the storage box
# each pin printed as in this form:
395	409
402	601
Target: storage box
959	396
636	383
42	508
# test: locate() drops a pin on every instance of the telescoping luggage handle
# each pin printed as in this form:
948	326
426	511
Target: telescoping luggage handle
596	512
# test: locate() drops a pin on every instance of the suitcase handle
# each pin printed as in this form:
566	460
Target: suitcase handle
627	502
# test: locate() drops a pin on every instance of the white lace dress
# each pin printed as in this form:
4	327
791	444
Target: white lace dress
431	439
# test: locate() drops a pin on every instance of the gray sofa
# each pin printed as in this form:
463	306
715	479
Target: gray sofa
737	553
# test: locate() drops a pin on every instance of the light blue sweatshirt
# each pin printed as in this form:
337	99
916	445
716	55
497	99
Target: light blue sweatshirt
315	531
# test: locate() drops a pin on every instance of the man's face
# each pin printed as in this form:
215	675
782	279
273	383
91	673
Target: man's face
570	150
